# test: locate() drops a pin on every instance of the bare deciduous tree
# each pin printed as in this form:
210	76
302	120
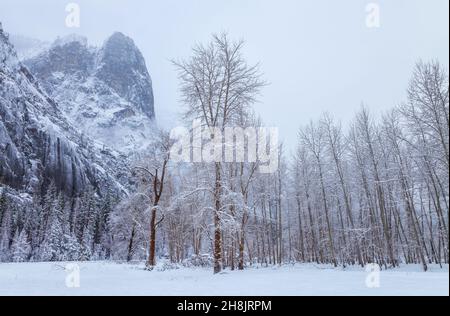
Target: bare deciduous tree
217	85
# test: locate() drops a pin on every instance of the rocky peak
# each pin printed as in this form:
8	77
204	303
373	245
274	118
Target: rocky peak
69	55
122	66
70	39
121	48
38	145
106	91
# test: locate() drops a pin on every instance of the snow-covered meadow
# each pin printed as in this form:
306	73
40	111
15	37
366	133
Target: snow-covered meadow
108	278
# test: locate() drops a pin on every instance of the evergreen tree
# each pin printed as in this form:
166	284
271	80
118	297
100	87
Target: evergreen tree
52	248
20	249
71	248
3	204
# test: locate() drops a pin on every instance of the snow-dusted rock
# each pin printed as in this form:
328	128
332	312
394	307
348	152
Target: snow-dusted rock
38	144
106	91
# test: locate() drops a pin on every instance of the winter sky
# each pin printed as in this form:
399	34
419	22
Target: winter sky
318	55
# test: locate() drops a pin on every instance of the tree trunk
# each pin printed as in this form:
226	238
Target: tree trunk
151	262
242	241
217	228
327	216
130	244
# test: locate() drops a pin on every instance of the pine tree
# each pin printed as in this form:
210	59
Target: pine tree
86	247
20	249
4	247
45	217
52	248
3	205
71	248
5	227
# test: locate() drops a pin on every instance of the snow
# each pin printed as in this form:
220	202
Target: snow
109	278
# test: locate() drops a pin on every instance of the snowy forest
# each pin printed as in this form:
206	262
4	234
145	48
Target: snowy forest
374	189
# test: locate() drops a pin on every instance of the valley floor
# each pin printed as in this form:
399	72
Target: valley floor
108	278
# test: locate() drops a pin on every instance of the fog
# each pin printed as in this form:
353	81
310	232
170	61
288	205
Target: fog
317	55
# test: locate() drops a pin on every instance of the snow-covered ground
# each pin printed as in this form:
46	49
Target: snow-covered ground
108	278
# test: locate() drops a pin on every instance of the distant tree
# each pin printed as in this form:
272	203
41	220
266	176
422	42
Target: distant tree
52	248
21	248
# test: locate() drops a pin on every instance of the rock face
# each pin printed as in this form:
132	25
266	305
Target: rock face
122	67
38	145
106	91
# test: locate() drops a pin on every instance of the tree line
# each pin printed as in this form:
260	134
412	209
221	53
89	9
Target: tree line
373	191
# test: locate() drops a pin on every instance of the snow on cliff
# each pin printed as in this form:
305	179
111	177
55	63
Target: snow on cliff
106	92
38	144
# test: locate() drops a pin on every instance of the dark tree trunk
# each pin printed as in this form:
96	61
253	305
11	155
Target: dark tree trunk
151	262
217	229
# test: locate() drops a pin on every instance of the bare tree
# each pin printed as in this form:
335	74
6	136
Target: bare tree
312	137
217	84
336	146
152	169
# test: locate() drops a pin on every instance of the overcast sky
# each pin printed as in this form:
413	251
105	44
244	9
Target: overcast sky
318	55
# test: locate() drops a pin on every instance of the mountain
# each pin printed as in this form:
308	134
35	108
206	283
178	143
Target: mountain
105	91
39	145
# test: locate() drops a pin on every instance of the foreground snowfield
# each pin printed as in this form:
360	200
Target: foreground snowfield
108	278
